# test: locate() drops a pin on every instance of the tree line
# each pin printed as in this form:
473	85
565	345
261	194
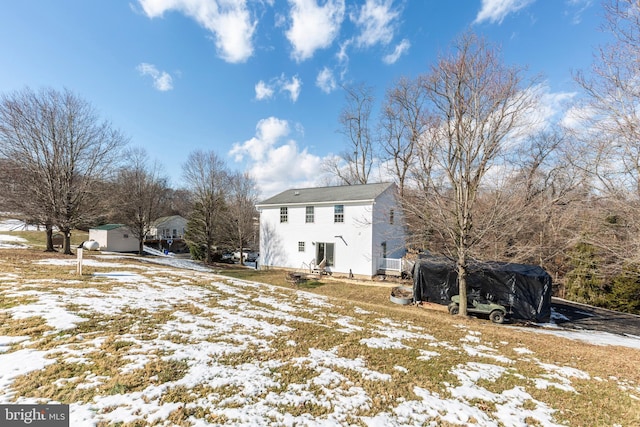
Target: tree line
64	168
482	176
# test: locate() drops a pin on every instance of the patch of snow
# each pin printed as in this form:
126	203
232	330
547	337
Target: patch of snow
16	225
12	242
7	342
592	337
202	325
18	363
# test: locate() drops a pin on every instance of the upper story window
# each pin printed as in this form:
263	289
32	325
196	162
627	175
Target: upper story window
309	217
300	246
391	214
338	213
284	214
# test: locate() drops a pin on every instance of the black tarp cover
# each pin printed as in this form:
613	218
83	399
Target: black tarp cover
526	289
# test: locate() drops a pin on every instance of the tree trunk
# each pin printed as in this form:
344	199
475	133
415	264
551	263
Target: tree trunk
49	231
67	242
208	256
141	247
462	283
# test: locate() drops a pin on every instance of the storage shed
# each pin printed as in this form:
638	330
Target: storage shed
525	289
114	238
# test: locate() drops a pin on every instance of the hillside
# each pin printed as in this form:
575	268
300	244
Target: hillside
135	343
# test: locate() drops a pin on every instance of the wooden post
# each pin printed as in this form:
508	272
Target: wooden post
79	264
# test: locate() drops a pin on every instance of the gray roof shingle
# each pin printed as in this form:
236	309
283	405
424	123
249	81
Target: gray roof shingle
344	193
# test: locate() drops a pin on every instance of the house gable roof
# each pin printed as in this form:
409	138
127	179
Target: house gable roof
164	219
344	193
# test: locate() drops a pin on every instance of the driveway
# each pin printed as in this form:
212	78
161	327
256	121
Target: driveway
572	315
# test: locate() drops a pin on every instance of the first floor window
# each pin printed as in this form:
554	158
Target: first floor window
284	214
300	246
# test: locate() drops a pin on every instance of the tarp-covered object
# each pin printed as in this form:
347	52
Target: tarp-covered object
525	289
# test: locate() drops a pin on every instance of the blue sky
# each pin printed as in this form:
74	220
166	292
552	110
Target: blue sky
259	81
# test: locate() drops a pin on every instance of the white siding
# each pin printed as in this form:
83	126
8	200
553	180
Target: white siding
99	236
357	241
385	231
114	240
166	228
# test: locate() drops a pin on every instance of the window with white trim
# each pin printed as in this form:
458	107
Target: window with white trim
309	214
338	213
284	214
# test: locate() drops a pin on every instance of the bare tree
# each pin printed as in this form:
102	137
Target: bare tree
354	165
539	204
610	137
178	202
403	123
64	151
208	180
141	191
613	99
242	212
479	103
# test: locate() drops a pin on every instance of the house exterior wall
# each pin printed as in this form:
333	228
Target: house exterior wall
388	227
174	227
357	241
114	240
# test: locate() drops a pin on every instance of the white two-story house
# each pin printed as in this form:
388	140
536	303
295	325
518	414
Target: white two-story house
349	227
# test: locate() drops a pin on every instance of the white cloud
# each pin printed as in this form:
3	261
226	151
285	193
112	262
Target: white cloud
550	109
275	160
286	166
400	49
292	86
377	21
578	7
229	21
313	27
268	132
263	91
162	80
496	10
326	81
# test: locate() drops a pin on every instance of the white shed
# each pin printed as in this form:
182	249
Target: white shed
352	228
114	238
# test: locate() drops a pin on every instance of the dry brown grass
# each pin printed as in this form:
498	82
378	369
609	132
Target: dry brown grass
596	401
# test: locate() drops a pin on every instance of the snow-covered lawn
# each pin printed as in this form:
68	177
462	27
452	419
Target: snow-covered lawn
8	241
137	342
15	225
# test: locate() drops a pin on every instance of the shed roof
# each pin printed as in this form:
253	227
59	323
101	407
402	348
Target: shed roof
343	193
